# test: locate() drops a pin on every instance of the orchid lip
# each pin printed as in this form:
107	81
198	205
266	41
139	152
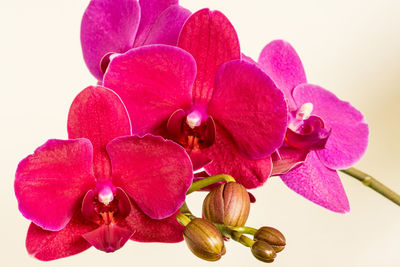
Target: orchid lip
106	205
306	131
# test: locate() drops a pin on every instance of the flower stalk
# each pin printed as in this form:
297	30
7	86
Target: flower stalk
209	181
373	183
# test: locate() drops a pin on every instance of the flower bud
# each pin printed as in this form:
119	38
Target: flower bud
204	240
263	251
227	204
272	236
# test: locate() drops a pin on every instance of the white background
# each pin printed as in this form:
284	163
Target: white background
349	47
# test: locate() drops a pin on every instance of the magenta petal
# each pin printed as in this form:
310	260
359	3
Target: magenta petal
98	114
124	204
282	64
146	229
168	25
150	11
347	124
153	171
108	26
345	146
287	158
88	207
51	245
174	124
108	238
50	183
319	184
248	59
212	40
199	159
226	159
153	81
249	106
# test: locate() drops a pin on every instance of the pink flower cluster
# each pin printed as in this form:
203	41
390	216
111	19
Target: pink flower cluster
175	95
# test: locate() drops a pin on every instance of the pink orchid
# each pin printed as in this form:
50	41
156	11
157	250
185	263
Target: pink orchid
99	189
324	133
226	114
115	26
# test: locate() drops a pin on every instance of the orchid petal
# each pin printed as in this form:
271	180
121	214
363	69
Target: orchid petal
199	159
281	63
212	40
98	114
108	26
249	106
249	60
51	245
153	171
286	159
153	81
49	183
146	229
347	124
168	25
150	11
108	238
318	184
226	159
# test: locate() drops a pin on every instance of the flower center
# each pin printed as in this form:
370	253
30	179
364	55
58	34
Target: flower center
106	205
193	129
306	131
193	119
105	195
304	112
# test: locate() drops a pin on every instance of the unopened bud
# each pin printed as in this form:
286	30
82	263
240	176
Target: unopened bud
272	236
204	240
227	204
263	251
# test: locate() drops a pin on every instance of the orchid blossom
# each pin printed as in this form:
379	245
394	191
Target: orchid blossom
115	26
226	112
103	186
324	133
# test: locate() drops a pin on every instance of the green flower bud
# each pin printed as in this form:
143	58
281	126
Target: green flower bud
204	240
227	204
263	251
272	236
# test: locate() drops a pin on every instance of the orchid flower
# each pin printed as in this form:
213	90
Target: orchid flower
99	189
324	133
227	113
115	26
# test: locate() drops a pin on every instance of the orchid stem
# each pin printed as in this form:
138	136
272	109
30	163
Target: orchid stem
244	230
371	182
235	235
209	181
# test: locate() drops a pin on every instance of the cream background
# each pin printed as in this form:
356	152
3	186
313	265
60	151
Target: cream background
349	47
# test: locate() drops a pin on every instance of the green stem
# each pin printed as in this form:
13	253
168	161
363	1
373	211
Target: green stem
209	181
244	230
371	182
235	235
